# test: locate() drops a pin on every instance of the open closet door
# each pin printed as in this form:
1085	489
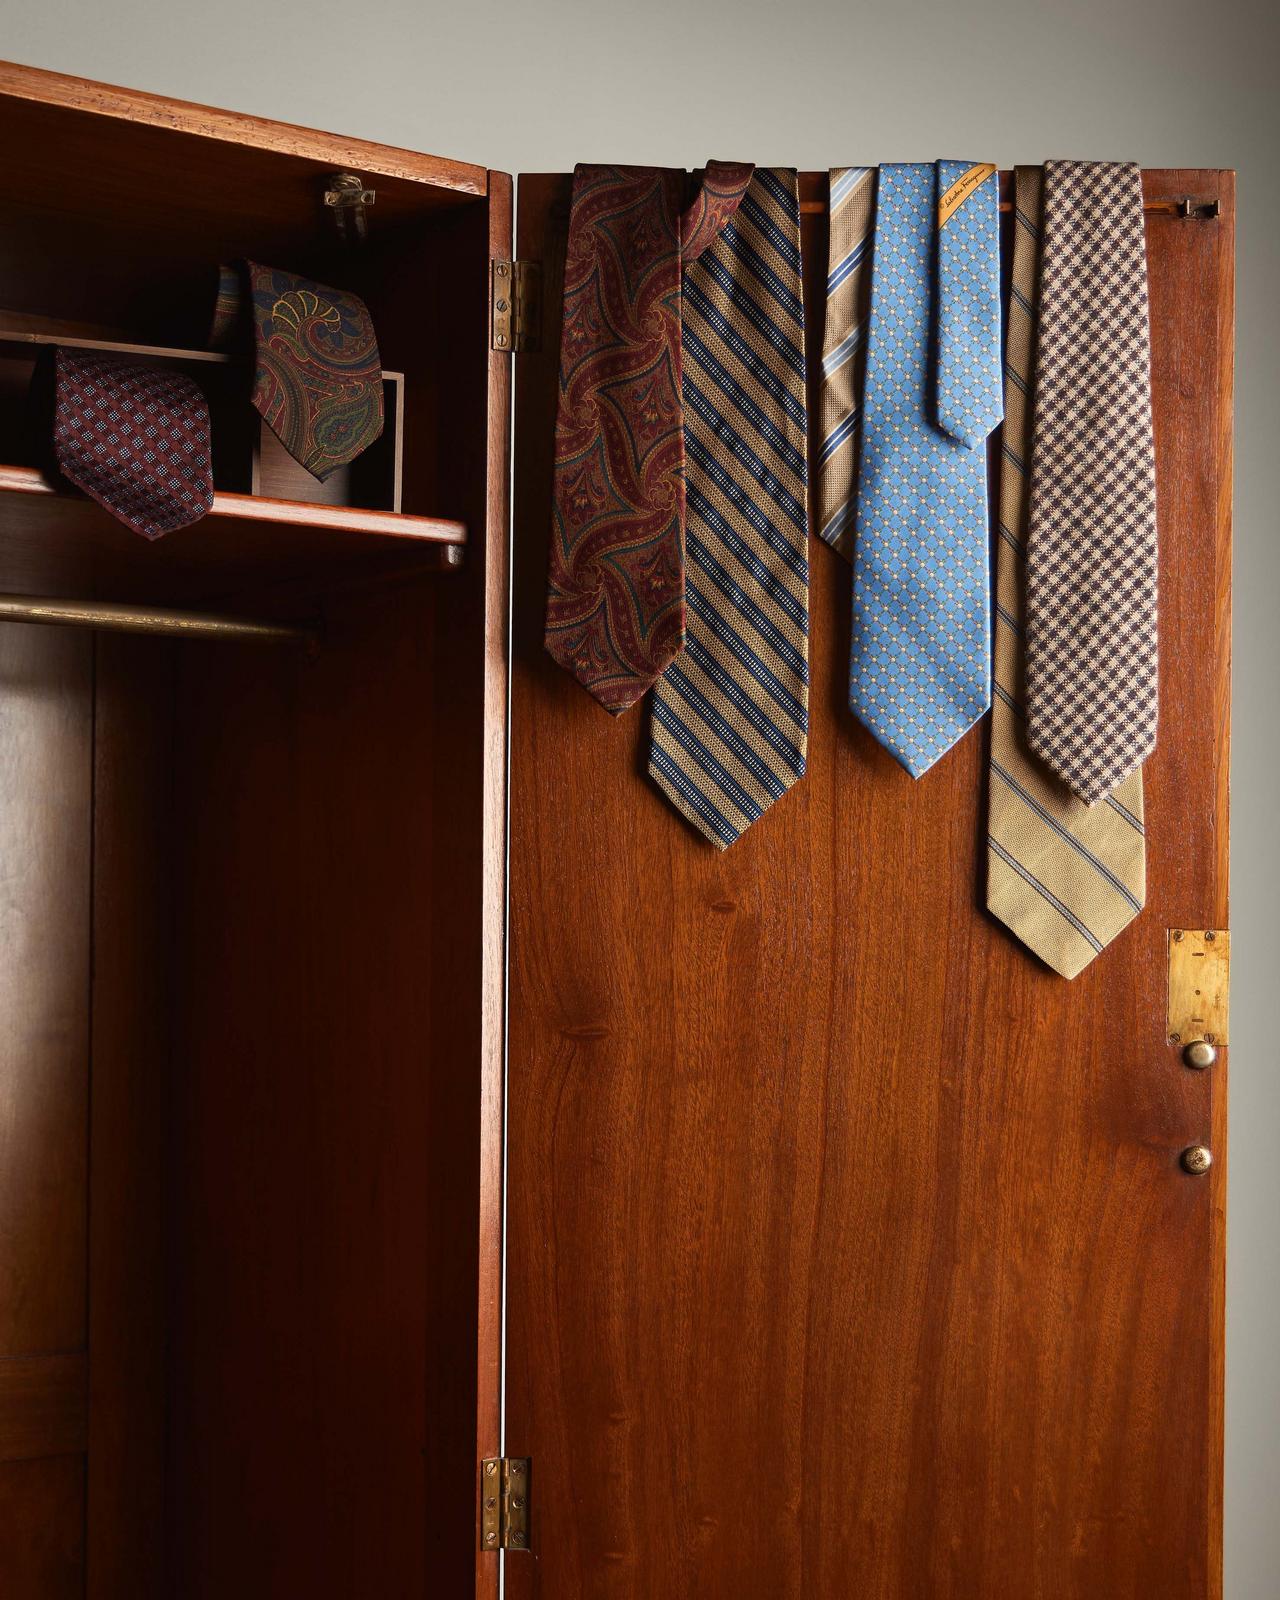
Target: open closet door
849	1248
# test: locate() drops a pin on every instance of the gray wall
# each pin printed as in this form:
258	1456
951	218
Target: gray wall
533	85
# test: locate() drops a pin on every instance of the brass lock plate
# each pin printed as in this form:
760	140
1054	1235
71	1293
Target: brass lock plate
1199	984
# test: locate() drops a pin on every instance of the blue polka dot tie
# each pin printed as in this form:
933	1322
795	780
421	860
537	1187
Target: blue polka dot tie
920	671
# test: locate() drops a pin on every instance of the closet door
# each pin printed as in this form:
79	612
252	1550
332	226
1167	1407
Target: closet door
849	1249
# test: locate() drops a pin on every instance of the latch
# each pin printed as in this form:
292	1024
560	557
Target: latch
517	305
1199	989
504	1503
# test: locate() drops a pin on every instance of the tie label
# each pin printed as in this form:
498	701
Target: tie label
961	189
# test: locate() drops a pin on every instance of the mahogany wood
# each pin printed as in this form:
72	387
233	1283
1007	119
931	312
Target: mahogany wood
848	1247
42	1529
133	957
42	1406
65	544
46	780
292	876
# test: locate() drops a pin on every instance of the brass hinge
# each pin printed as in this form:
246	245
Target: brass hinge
504	1503
517	305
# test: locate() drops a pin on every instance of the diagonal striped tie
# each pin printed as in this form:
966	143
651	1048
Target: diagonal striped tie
844	352
1064	876
730	716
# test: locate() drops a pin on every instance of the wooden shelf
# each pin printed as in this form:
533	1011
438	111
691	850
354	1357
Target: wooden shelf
53	543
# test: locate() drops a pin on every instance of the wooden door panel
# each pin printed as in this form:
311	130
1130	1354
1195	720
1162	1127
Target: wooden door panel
46	798
848	1247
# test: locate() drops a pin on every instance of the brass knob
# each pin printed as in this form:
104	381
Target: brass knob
1199	1054
1197	1159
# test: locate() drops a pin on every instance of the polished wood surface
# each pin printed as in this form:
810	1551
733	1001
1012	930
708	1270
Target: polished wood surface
848	1247
253	918
67	545
64	120
131	1020
46	800
42	1529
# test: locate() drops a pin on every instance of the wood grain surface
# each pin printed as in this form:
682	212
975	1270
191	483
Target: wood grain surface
849	1250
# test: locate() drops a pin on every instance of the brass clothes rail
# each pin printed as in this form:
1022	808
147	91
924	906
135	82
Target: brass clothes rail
151	619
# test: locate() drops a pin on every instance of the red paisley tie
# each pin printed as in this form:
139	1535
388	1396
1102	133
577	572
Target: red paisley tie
134	438
615	582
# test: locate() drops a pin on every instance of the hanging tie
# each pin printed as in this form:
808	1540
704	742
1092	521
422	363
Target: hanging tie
920	669
730	715
851	210
616	568
1092	659
1064	876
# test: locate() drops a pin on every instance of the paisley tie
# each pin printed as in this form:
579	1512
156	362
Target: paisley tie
920	672
318	375
134	438
615	577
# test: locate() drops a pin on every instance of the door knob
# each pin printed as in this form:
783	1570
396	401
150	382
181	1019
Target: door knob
1199	1054
1197	1159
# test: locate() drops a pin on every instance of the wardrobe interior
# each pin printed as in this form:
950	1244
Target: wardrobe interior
240	916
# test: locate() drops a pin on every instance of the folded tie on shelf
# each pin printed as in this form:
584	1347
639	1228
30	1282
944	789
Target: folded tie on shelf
615	611
920	664
135	438
318	378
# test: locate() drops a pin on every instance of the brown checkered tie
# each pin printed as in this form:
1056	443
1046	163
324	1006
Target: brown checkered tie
1091	556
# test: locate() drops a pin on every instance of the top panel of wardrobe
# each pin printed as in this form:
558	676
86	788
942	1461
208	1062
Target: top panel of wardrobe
74	145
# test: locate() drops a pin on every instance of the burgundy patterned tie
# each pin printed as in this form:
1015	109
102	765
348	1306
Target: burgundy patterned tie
134	438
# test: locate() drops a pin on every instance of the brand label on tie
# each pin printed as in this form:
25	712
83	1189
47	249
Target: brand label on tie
961	189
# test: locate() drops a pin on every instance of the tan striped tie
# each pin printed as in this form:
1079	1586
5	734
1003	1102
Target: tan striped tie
1066	877
844	352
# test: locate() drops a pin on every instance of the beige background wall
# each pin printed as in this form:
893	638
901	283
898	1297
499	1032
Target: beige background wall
534	85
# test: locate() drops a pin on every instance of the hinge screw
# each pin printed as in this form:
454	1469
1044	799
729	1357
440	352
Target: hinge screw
489	1469
500	340
1177	935
1210	936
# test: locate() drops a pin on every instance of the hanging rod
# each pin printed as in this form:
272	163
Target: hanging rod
1184	206
149	619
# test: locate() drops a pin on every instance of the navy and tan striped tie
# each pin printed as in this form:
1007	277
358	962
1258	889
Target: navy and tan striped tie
1064	876
844	352
730	716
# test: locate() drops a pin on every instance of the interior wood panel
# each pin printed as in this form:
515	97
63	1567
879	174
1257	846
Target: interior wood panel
133	924
46	776
42	1529
848	1247
46	799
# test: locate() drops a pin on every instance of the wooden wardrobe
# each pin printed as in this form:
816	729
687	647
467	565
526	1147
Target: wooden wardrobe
422	1157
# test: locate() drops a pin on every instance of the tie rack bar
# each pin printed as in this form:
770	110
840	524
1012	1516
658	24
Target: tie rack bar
1184	206
148	619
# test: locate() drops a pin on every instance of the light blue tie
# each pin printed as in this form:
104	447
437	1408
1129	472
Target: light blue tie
920	671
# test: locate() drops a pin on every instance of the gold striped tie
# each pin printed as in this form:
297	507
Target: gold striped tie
844	351
730	716
1064	876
